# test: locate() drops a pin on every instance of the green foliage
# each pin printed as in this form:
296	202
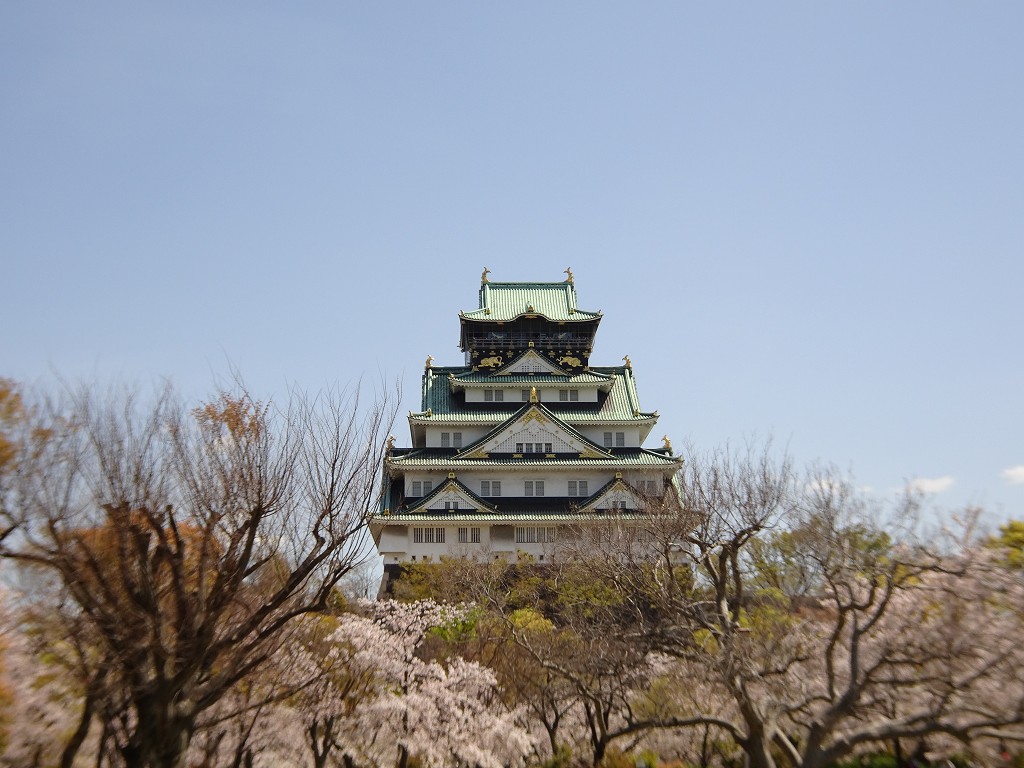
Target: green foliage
1011	542
461	629
793	562
877	760
562	759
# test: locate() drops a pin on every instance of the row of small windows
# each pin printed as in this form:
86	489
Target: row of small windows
531	488
611	440
619	440
533	447
527	534
451	439
421	488
498	395
428	535
534	535
578	488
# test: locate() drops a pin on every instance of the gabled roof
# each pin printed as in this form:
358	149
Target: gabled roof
622	405
451	487
616	487
502	302
529	361
534	412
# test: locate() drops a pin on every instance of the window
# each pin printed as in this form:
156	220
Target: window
532	535
534	488
620	439
469	535
649	486
456	439
445	439
428	535
490	487
526	395
578	488
607	439
618	505
494	395
451	505
568	395
519	447
421	488
463	535
428	486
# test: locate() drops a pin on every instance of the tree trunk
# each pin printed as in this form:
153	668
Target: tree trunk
161	738
67	757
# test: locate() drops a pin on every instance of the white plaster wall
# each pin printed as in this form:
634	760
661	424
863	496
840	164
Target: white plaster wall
596	434
469	435
545	395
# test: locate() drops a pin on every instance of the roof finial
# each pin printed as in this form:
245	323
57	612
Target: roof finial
390	444
568	271
483	277
430	361
668	444
629	363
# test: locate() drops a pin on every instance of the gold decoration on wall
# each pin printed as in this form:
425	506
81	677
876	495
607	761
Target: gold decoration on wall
490	362
477	455
533	395
572	362
535	415
590	453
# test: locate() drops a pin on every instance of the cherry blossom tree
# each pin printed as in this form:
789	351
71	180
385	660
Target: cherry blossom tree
443	713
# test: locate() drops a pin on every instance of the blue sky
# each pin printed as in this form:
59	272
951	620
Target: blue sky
799	219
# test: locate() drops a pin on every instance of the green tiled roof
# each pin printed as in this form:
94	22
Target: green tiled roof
622	405
547	414
427	458
490	380
501	302
471	516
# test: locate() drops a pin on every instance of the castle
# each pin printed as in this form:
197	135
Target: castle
523	442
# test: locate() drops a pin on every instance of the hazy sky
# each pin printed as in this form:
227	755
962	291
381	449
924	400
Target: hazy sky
799	219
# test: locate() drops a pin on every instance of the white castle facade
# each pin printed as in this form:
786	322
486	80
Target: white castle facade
523	443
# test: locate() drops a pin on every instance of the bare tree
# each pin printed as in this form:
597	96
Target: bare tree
824	634
188	539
